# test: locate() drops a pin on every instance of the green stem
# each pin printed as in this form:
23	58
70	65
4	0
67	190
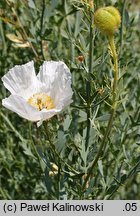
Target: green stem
37	155
42	16
4	47
58	179
88	85
113	109
130	174
41	26
72	46
4	195
55	152
116	71
12	127
122	26
34	148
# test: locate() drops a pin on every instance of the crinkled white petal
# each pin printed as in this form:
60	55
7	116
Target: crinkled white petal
47	114
21	80
56	77
65	102
19	105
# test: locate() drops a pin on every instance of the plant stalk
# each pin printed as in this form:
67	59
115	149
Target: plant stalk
113	109
88	85
122	26
41	27
54	150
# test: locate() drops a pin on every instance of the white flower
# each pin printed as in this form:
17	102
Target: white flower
40	97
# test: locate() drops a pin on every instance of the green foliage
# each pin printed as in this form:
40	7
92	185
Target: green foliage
50	162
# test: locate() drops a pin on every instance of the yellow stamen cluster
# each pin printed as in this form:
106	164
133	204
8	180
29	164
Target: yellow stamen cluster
41	101
107	19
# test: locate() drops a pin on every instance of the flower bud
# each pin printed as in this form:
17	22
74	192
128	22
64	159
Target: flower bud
81	58
107	19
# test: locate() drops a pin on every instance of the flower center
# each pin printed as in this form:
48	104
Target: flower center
41	101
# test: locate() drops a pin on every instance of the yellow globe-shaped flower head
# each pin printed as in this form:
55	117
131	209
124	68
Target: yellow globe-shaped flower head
107	19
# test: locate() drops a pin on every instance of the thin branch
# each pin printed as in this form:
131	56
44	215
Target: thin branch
113	109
